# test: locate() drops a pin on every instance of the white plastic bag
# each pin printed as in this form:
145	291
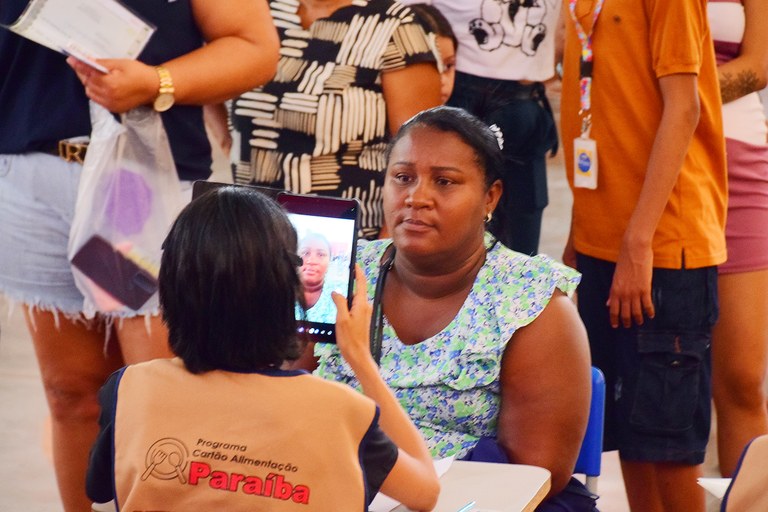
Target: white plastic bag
129	194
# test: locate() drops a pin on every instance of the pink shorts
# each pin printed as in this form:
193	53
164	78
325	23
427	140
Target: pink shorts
746	229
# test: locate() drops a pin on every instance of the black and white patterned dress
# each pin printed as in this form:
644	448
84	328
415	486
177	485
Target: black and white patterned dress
320	126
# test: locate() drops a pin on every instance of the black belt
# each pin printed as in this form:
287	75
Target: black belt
520	91
70	150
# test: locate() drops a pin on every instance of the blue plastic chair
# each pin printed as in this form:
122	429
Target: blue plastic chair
591	452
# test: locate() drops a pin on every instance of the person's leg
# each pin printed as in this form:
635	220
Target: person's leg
37	198
739	354
640	486
662	487
596	278
73	367
142	338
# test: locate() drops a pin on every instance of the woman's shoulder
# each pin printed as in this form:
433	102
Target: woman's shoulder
509	269
338	391
517	287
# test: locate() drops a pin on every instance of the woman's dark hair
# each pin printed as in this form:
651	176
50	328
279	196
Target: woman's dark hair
229	283
434	21
468	128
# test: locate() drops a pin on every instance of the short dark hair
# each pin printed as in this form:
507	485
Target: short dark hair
228	285
474	132
434	21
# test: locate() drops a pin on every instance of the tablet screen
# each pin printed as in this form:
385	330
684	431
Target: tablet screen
326	230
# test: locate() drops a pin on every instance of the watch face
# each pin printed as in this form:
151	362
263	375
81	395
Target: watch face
163	102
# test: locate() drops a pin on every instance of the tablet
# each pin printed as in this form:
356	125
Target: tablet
327	244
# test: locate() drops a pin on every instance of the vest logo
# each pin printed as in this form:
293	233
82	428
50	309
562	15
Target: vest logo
273	486
166	459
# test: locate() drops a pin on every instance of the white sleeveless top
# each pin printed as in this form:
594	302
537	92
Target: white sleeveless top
743	118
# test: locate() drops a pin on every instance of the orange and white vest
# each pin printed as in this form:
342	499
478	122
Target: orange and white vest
237	441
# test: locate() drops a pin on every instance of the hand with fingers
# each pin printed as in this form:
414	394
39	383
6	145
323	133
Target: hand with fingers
353	324
630	296
128	84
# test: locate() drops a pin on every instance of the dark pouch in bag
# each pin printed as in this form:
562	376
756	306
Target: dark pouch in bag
115	273
574	498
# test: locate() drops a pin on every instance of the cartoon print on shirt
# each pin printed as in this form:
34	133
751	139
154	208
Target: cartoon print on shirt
515	23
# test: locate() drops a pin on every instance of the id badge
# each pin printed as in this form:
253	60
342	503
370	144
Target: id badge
585	163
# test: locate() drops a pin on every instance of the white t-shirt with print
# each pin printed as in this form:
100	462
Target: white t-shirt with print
503	39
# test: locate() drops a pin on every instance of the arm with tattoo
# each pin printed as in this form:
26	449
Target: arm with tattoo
748	72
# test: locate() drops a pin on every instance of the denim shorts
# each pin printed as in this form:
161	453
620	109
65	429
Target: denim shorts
658	375
37	203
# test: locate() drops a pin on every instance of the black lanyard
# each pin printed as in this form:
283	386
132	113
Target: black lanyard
377	321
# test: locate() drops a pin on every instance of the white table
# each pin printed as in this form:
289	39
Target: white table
493	487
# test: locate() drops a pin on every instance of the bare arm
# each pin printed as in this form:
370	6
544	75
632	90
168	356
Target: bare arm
748	72
408	91
630	294
413	480
241	53
546	391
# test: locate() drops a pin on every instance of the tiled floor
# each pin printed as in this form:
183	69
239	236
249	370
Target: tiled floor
26	478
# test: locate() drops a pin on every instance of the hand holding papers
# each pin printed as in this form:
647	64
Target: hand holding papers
85	29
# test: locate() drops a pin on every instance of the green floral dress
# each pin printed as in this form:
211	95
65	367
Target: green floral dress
449	383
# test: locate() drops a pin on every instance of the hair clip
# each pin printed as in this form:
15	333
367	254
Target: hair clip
499	136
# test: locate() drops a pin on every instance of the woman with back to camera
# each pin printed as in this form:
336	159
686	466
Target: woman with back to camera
481	345
222	426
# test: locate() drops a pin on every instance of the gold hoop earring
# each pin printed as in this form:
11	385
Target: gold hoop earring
488	218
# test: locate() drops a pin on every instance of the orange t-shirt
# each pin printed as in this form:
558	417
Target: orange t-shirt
635	42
